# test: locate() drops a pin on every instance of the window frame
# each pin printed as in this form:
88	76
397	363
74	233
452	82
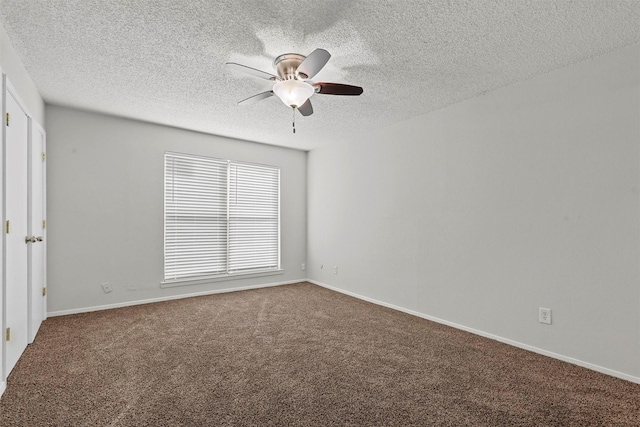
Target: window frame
226	274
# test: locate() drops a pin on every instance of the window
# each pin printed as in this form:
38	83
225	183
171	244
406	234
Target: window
221	218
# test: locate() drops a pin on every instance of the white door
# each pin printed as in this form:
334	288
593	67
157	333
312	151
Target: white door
2	240
17	137
36	229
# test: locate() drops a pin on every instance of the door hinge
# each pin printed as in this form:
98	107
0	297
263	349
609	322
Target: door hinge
8	226
44	156
8	116
44	292
7	334
44	224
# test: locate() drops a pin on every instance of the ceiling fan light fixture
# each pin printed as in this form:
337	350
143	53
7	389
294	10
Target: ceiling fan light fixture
294	93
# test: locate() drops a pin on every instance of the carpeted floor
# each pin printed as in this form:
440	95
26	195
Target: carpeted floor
296	355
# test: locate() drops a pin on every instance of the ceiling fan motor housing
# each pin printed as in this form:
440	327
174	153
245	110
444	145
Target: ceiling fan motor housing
286	66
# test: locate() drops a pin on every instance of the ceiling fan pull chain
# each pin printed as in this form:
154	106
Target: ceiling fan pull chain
294	119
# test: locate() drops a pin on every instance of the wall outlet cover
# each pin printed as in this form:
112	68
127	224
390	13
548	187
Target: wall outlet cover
544	315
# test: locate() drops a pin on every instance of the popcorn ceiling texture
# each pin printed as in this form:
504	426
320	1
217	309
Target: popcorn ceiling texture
163	61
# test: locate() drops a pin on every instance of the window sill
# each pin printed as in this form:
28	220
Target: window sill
218	278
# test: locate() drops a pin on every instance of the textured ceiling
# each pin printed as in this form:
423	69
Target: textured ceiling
163	61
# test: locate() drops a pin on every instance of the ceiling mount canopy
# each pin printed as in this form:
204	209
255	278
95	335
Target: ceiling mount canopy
287	66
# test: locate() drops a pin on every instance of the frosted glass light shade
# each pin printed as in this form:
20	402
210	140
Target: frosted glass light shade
293	93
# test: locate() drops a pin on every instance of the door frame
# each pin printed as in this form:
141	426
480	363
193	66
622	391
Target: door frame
35	127
3	322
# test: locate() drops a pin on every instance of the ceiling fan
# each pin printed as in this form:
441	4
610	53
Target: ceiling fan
292	84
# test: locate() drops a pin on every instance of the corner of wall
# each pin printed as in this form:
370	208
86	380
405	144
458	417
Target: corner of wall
17	74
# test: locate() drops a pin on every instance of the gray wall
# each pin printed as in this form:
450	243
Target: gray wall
479	213
105	206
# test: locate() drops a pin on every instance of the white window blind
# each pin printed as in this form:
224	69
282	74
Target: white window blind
221	217
253	217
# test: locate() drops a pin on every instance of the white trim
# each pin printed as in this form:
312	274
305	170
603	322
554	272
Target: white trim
14	93
167	298
38	127
220	278
568	359
30	232
3	215
3	387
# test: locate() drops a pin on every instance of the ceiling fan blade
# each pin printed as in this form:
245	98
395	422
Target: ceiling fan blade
306	109
249	70
337	89
314	62
255	98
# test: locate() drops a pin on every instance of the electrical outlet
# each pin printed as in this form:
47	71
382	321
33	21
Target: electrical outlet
335	269
303	267
106	288
544	315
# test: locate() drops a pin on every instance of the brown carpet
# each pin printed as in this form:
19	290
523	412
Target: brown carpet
296	355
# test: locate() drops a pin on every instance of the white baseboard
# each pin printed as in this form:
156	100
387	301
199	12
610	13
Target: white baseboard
568	359
3	387
167	298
